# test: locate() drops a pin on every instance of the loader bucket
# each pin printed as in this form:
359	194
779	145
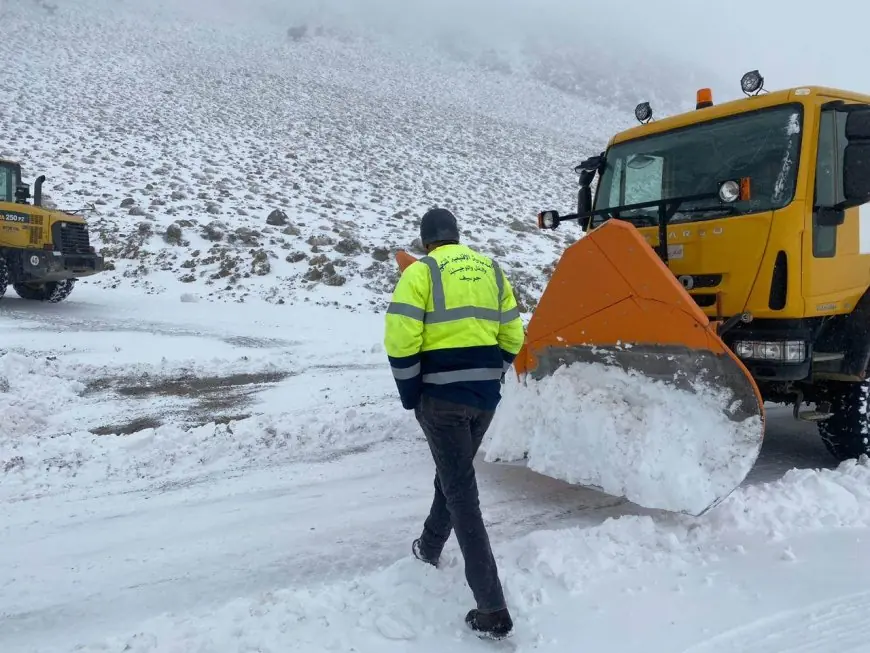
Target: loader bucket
623	384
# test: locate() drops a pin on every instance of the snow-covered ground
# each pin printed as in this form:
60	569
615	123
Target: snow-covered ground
181	476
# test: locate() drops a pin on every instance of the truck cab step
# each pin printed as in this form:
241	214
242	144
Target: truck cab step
821	412
813	415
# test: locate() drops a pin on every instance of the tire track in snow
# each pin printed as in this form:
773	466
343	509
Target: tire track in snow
838	624
67	318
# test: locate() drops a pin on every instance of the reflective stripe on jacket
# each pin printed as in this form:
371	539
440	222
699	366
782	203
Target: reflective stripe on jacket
453	328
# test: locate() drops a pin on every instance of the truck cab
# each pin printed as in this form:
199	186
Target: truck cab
759	207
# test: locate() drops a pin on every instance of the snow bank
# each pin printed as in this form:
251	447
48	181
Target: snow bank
410	606
42	452
30	390
39	463
802	500
657	445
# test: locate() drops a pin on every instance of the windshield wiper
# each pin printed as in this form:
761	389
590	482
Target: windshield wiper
640	219
724	209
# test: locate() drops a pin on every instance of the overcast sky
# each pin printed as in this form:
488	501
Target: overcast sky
792	42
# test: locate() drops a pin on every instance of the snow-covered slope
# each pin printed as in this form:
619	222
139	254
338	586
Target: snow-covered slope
188	128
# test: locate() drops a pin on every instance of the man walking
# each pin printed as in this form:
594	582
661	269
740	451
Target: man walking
452	330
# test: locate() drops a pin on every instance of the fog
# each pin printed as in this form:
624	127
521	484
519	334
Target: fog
792	42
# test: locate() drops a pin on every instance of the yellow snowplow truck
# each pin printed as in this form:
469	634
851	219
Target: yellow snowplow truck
42	252
730	242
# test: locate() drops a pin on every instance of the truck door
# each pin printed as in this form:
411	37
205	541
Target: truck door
833	250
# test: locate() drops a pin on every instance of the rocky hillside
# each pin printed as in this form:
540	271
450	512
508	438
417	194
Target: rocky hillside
231	159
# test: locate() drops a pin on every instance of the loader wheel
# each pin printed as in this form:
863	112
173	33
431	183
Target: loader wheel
51	291
846	434
4	277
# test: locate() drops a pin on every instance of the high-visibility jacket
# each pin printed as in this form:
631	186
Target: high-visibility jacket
453	328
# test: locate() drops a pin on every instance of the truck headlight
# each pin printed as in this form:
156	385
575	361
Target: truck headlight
795	351
729	191
784	351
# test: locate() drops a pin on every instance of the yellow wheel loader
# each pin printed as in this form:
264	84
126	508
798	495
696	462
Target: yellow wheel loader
727	247
42	252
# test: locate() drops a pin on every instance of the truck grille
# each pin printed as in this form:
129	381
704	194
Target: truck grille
70	237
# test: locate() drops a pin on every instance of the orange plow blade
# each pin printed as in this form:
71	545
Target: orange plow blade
623	384
611	293
403	259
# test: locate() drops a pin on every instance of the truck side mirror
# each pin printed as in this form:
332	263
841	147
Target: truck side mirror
858	123
584	200
856	173
828	217
856	157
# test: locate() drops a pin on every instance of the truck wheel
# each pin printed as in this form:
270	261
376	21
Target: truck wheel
846	434
51	291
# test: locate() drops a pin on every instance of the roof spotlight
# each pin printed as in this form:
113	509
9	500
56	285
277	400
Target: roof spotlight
752	82
643	112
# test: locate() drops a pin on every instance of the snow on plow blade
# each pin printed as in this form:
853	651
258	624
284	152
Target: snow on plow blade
623	384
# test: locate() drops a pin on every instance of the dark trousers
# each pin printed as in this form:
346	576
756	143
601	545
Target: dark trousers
454	433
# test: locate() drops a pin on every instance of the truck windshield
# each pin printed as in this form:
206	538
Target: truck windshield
762	145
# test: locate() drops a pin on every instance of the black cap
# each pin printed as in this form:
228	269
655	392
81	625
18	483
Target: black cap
438	225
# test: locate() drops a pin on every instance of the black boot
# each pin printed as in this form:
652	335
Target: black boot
417	548
495	625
